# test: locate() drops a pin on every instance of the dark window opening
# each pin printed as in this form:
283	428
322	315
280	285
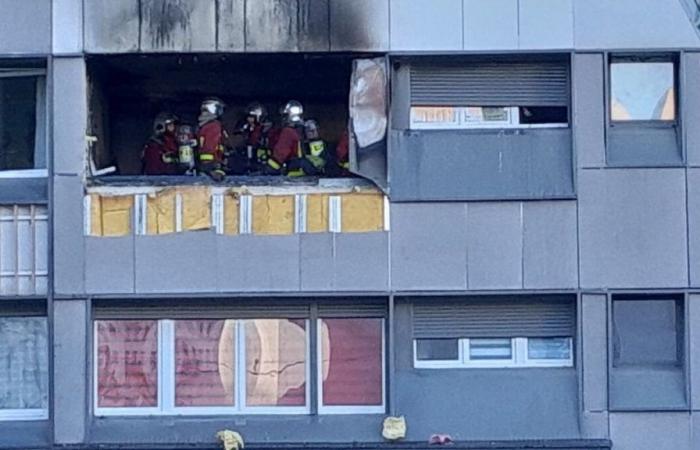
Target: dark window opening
21	122
126	94
538	115
437	349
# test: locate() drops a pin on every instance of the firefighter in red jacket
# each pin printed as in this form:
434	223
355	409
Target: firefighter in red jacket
211	139
160	152
287	142
342	152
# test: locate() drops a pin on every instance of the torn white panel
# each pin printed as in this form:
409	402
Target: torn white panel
368	101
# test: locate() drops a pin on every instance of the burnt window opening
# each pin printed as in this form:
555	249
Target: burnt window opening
22	121
126	93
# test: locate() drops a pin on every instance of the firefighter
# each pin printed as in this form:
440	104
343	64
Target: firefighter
312	154
255	129
159	155
342	152
287	142
211	139
187	143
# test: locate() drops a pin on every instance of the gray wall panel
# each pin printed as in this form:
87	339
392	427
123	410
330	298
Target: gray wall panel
25	26
109	265
626	24
490	24
494	245
67	27
632	226
694	225
314	25
550	247
644	147
428	246
112	26
69	243
595	425
258	263
546	24
23	435
258	431
647	388
359	25
178	25
69	115
695	432
362	262
589	109
650	431
70	377
541	403
594	348
691	110
480	165
317	261
231	26
426	25
693	321
183	262
272	25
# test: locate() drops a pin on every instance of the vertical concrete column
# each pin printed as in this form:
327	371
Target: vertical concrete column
588	89
67	27
594	363
69	118
693	328
70	377
690	106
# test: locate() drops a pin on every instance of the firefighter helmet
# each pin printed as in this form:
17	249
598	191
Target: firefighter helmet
311	129
256	110
213	105
292	111
162	120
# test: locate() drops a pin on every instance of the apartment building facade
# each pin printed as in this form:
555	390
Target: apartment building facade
516	264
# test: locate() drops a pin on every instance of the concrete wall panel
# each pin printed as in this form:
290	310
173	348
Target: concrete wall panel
69	242
14	434
317	261
694	225
495	245
627	24
694	350
112	27
250	263
362	262
231	25
594	351
426	25
67	26
70	379
650	431
314	25
359	25
25	26
490	24
691	110
428	246
183	262
546	24
632	226
109	265
550	247
69	115
272	25
589	109
178	25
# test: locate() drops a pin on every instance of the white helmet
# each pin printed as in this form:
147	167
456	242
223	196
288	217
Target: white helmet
213	105
292	111
162	120
256	110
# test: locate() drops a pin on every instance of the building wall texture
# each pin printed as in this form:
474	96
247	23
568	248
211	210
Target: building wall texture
624	230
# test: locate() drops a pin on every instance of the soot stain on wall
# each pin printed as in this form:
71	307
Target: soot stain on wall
165	18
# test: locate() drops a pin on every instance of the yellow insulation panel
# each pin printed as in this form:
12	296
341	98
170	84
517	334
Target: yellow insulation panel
116	213
273	214
161	212
196	208
95	215
231	214
316	213
361	213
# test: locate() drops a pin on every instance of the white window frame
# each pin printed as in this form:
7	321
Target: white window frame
347	409
519	359
460	123
166	379
41	129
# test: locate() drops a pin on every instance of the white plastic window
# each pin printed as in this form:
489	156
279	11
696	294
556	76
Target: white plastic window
494	353
475	117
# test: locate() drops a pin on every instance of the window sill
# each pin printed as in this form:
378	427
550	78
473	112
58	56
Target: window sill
23	414
29	173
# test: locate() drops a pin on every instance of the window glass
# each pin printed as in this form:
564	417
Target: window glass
204	362
647	332
490	349
549	348
437	349
275	362
18	101
127	354
352	362
23	363
642	91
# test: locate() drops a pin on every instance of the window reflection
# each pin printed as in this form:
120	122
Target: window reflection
642	91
